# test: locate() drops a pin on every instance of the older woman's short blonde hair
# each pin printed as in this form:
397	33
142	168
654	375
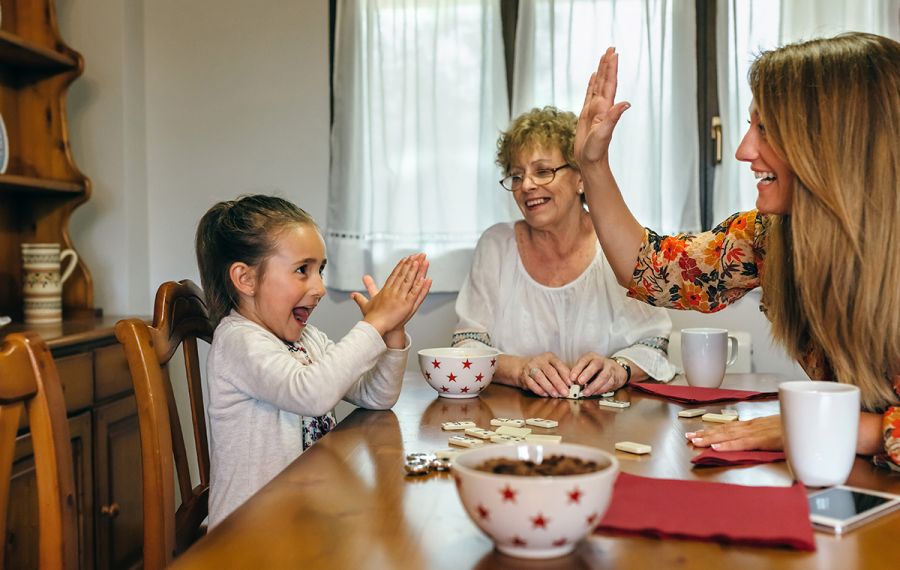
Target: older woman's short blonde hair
545	128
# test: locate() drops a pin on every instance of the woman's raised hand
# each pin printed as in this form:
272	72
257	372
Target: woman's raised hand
388	309
600	112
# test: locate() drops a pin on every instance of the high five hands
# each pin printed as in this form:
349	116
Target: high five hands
600	113
389	309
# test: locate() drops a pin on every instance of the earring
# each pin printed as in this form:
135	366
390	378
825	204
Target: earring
580	190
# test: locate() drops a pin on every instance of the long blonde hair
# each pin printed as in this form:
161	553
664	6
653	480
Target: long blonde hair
831	109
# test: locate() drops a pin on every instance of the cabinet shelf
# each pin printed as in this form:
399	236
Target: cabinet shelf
18	52
41	189
42	185
15	183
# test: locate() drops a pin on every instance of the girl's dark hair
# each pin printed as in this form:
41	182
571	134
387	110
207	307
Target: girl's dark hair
243	230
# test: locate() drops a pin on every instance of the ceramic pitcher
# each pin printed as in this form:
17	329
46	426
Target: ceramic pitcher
43	278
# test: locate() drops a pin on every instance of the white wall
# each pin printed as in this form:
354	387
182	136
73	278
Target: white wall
745	316
106	124
185	103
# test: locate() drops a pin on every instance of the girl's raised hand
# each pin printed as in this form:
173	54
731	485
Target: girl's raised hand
388	309
600	112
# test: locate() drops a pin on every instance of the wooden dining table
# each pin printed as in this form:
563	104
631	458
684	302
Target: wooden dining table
347	502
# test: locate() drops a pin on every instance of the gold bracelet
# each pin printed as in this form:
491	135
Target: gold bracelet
624	364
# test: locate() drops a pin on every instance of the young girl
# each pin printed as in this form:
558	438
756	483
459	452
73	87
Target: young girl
274	380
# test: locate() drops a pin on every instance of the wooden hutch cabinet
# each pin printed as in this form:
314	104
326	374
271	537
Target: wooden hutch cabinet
38	193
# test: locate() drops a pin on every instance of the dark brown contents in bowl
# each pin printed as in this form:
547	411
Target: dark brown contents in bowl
553	465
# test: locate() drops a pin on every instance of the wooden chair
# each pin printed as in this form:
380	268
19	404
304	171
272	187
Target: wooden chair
29	381
179	319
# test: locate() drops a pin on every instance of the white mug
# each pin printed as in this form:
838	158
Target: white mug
819	424
705	355
42	280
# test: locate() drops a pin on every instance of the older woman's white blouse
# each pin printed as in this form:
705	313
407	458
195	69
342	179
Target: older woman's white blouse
501	305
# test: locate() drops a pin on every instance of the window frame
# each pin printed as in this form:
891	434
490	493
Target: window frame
707	90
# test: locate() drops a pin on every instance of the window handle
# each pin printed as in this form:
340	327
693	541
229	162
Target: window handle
716	135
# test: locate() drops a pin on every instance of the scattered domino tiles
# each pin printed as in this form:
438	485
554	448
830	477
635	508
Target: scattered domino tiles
500	422
718	418
576	389
543	438
614	403
447	453
541	422
506	439
632	447
518	432
691	413
574	392
457	426
480	433
463	441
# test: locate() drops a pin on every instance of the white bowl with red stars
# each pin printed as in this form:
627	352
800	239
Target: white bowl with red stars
535	516
458	372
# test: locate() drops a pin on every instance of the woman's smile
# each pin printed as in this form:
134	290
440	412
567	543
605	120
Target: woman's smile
535	203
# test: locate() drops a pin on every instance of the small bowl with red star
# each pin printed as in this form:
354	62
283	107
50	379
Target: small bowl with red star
458	372
535	516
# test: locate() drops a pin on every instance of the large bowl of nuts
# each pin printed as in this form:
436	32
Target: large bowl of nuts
535	500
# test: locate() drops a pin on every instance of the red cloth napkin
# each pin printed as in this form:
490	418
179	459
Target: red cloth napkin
692	395
715	458
717	512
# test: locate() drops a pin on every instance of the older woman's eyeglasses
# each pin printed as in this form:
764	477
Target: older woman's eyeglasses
540	177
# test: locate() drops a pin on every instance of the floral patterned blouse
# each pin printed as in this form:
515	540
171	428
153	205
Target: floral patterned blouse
708	271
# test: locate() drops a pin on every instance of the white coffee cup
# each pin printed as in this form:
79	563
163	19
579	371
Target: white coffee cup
819	424
705	355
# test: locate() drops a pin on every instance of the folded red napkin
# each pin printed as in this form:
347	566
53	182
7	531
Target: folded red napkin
717	512
712	457
692	395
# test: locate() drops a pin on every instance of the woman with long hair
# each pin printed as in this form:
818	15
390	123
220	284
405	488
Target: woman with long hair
823	242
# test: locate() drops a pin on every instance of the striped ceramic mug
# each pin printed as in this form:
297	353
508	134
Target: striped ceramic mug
42	280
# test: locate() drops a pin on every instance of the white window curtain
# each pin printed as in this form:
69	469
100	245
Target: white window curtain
655	149
747	27
419	98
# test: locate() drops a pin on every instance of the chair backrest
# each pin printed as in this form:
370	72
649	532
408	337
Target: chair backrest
29	382
180	318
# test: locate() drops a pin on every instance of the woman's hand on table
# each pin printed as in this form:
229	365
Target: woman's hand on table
759	433
544	374
597	374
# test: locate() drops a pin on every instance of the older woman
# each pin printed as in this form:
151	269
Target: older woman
540	289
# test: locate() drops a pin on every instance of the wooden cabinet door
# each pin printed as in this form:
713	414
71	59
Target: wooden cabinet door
117	475
21	540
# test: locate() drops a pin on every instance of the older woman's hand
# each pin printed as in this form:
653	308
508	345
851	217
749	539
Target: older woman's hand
600	112
545	375
759	433
597	374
